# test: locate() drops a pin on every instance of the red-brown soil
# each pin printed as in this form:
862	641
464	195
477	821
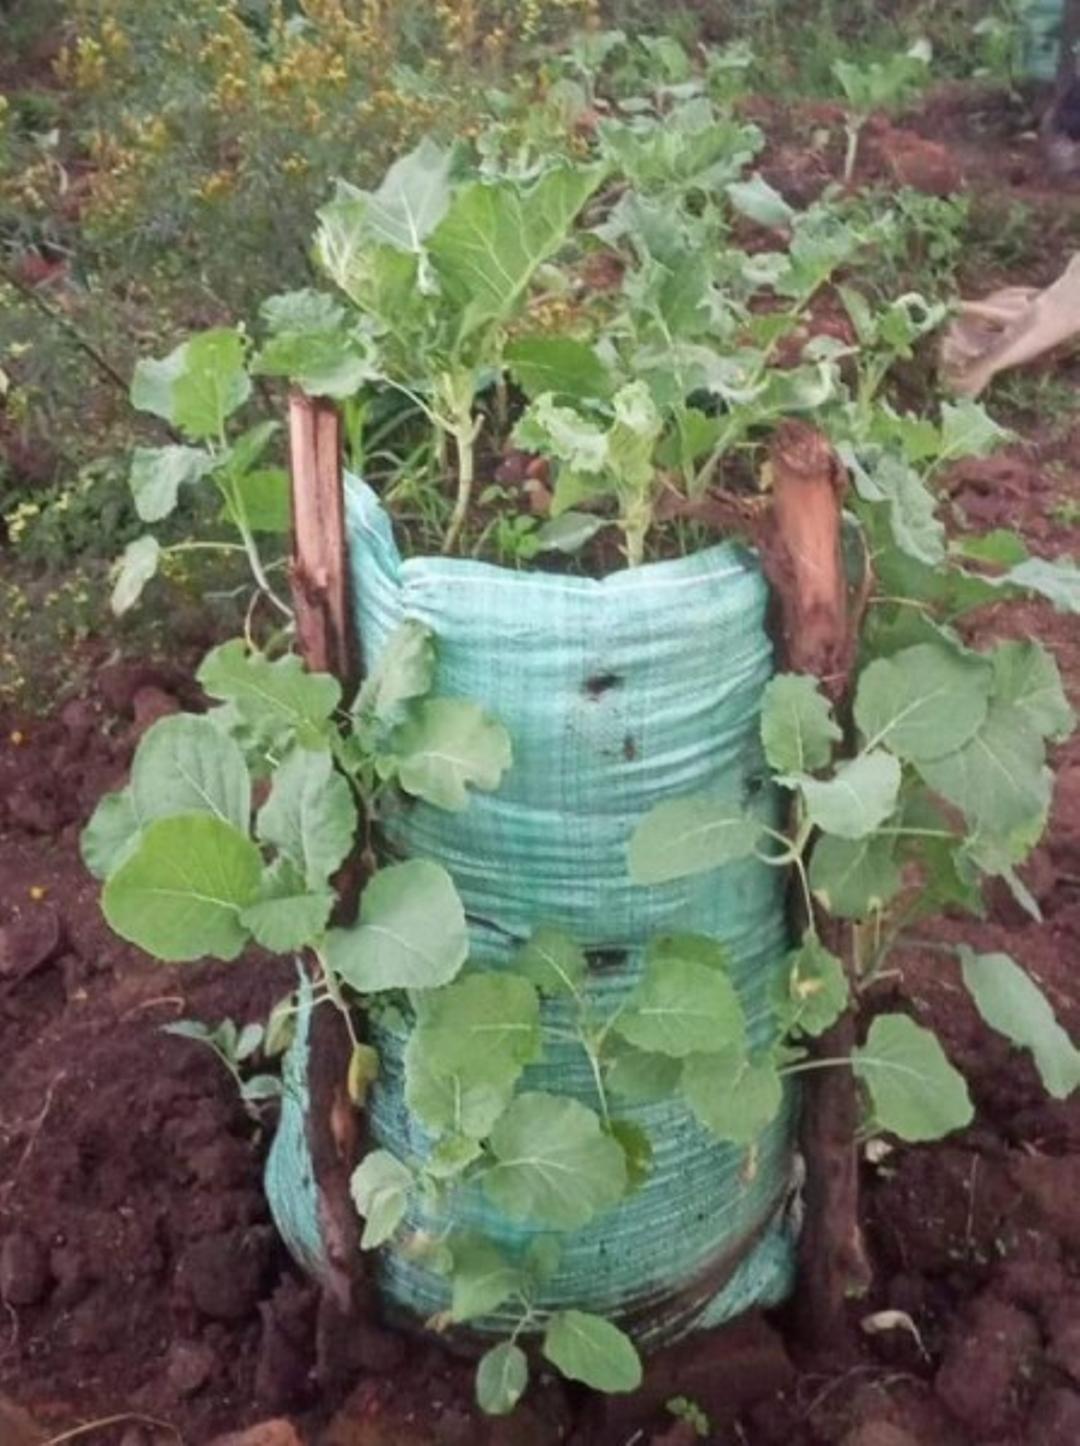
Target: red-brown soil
139	1274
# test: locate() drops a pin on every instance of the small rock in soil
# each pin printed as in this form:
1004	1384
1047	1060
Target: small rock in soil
24	1272
878	1433
1052	1185
189	1367
278	1432
223	1273
17	1428
1055	1421
989	1349
149	705
68	1269
284	1364
30	941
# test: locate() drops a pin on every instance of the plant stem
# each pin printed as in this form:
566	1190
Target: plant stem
854	131
333	989
466	431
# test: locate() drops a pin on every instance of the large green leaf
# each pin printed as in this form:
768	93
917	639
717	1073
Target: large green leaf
485	1026
152	383
1057	581
854	877
287	915
560	365
446	746
412	198
501	1377
758	201
212	384
857	799
482	1277
380	1188
448	1102
158	473
279	700
264	496
111	834
999	778
487	247
812	992
682	1007
589	1348
181	893
310	816
733	1096
304	310
690	835
1027	676
797	727
914	1091
324	363
968	430
410	933
636	1075
554	963
1011	1002
185	764
923	702
552	1164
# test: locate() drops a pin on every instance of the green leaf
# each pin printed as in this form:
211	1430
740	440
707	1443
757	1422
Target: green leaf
501	1377
999	779
1011	1002
681	1006
305	310
554	963
287	917
137	566
589	1348
446	746
857	799
914	1091
732	1095
452	1156
324	363
449	1104
185	764
638	1076
158	473
310	816
854	877
181	893
489	244
568	532
812	993
1027	676
111	834
552	1163
562	433
412	199
380	1188
1058	582
558	365
637	1151
265	498
485	1026
410	933
967	430
757	200
279	699
483	1277
212	384
797	727
924	702
691	835
152	383
405	670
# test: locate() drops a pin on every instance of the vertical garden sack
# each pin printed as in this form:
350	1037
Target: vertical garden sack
617	694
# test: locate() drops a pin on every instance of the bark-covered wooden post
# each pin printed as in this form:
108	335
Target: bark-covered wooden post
325	638
818	619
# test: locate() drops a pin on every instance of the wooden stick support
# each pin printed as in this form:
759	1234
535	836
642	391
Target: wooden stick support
326	640
817	631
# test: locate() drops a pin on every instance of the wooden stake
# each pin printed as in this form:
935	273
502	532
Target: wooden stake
818	632
322	601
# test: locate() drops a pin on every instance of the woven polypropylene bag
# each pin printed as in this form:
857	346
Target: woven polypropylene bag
616	693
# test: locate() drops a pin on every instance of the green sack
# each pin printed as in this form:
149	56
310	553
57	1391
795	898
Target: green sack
616	694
